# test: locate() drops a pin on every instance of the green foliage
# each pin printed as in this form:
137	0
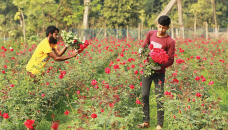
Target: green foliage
34	39
7	23
67	14
122	13
202	11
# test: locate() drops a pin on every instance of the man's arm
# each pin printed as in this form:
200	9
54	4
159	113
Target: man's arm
62	58
147	40
58	52
145	43
171	51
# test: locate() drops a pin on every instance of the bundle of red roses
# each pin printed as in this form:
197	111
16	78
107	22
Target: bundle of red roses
81	47
159	56
156	58
73	41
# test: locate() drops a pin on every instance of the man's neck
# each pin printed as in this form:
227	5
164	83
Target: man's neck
48	39
162	35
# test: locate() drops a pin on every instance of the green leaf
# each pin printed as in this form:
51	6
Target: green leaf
214	112
120	119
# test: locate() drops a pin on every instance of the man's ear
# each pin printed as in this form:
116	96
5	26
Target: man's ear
50	34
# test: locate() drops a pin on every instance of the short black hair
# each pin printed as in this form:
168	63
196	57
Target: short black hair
51	29
164	20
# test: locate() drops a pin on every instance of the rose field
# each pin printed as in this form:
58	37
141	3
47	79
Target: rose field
101	88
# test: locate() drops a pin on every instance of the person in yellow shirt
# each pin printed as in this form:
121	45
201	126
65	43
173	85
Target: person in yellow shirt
45	50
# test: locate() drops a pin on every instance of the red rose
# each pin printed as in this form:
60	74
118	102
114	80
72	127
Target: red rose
106	86
211	82
96	87
176	80
116	67
166	93
61	76
111	104
67	112
179	61
107	70
29	123
81	48
55	125
136	72
132	86
151	46
197	78
94	82
94	115
198	95
75	41
86	43
198	57
137	102
5	115
5	66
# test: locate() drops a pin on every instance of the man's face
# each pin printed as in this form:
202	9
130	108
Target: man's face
162	29
53	37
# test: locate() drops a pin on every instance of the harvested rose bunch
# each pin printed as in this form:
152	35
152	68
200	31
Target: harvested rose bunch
155	59
159	56
71	40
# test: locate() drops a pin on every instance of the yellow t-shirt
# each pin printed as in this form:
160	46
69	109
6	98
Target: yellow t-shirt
40	57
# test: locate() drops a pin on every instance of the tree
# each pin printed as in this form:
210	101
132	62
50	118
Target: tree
7	11
122	13
201	12
95	17
41	13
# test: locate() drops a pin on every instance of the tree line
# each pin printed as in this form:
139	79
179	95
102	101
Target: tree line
30	17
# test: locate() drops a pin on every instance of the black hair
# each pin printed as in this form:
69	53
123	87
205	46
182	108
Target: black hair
164	20
51	29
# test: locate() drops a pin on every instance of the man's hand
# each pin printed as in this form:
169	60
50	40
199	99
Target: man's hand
140	51
74	54
156	67
66	45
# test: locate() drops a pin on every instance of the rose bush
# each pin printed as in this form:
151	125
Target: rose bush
103	86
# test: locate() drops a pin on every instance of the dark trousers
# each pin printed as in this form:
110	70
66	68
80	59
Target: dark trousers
159	91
